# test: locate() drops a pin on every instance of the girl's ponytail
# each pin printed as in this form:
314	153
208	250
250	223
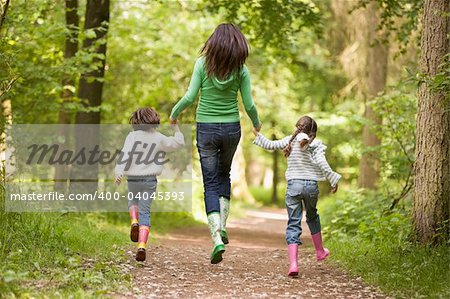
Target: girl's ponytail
306	125
288	149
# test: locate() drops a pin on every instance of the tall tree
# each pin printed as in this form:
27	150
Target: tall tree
68	83
372	82
71	49
364	58
90	89
275	167
4	88
91	82
432	168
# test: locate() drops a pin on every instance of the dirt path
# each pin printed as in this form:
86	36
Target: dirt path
254	266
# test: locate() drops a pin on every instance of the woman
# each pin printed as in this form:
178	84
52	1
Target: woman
219	73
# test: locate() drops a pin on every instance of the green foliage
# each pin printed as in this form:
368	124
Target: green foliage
32	57
364	214
264	196
373	242
152	48
270	22
398	18
397	108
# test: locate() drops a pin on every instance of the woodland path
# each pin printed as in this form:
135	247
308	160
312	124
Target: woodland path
255	265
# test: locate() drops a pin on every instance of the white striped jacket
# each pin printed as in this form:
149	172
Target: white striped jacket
308	163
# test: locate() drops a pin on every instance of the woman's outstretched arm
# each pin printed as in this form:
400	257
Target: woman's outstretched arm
267	144
247	98
191	94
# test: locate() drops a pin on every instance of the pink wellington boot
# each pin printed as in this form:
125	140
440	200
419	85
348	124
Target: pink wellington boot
321	253
293	267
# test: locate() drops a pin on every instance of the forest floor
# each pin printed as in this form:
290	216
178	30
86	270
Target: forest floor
255	265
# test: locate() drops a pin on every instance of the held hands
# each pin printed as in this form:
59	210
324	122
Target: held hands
257	129
174	124
334	189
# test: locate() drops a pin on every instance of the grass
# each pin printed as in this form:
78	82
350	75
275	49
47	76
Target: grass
73	255
408	272
60	255
375	246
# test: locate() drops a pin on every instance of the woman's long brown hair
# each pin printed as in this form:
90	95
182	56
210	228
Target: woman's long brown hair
225	51
305	125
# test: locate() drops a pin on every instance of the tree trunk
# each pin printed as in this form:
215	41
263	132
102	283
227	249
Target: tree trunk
4	5
7	159
373	82
275	166
364	60
432	168
91	83
68	83
90	91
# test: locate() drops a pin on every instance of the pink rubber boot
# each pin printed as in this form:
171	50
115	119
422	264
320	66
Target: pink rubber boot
321	253
134	230
143	237
293	267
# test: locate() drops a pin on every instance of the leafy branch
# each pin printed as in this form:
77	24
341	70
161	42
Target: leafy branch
8	86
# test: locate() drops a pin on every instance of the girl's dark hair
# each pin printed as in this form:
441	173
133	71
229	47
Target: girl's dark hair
144	119
306	125
225	51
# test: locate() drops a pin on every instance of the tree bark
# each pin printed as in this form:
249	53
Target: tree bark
5	5
90	89
373	82
275	166
432	167
91	83
68	82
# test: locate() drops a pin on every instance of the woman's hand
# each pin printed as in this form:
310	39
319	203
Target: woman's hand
255	132
173	121
334	189
257	129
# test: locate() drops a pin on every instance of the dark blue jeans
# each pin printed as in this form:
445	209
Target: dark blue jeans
216	143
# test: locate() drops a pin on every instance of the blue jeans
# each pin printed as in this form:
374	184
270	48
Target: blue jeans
143	189
298	191
216	143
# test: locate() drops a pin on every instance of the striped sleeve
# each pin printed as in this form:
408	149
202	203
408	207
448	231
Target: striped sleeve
267	144
322	163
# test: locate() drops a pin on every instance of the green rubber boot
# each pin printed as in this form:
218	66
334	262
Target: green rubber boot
224	211
214	228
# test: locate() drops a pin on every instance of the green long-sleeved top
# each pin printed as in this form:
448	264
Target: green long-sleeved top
218	99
